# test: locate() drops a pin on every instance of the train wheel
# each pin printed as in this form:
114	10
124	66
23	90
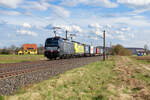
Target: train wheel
58	58
49	58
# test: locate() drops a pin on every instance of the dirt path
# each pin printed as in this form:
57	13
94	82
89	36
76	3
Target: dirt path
130	83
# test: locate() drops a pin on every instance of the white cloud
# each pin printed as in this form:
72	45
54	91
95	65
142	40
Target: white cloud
10	3
44	5
131	35
139	3
110	36
93	38
26	32
135	21
70	28
98	32
60	11
118	32
27	25
121	37
103	3
3	22
125	29
109	26
11	13
36	5
76	28
114	31
96	25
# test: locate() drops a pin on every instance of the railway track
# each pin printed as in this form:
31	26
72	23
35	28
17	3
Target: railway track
17	75
19	72
12	68
24	69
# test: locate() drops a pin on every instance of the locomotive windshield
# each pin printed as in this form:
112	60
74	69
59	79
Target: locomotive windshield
52	42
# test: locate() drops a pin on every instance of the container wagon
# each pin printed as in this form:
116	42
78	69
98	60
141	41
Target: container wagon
91	50
94	51
79	49
86	50
97	51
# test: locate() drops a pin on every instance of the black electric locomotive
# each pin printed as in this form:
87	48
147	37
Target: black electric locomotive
58	47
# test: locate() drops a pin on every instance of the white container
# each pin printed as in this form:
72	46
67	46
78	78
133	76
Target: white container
91	50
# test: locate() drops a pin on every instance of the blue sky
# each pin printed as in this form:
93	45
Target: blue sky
30	21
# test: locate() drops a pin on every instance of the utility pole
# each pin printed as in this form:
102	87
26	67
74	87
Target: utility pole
71	38
104	47
110	44
55	32
66	35
72	35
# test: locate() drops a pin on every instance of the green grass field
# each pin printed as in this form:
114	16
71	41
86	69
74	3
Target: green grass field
87	83
19	58
141	59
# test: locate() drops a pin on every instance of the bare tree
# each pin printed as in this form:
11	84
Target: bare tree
41	49
146	48
12	49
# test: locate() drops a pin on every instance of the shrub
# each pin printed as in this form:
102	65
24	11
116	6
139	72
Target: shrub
120	50
5	51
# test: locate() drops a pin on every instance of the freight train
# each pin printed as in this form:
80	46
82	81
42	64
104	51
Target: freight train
59	47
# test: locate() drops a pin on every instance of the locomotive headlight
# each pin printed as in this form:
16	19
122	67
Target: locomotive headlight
58	49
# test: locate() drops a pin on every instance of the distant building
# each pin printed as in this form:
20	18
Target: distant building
28	49
135	51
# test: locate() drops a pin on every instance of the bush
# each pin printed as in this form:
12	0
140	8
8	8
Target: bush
5	51
40	49
9	50
120	50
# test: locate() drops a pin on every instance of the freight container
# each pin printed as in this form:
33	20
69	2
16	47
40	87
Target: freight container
86	50
101	51
94	51
97	51
91	50
79	48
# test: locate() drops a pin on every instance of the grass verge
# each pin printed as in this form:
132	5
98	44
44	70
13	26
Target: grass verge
144	74
142	60
87	83
1	98
19	58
